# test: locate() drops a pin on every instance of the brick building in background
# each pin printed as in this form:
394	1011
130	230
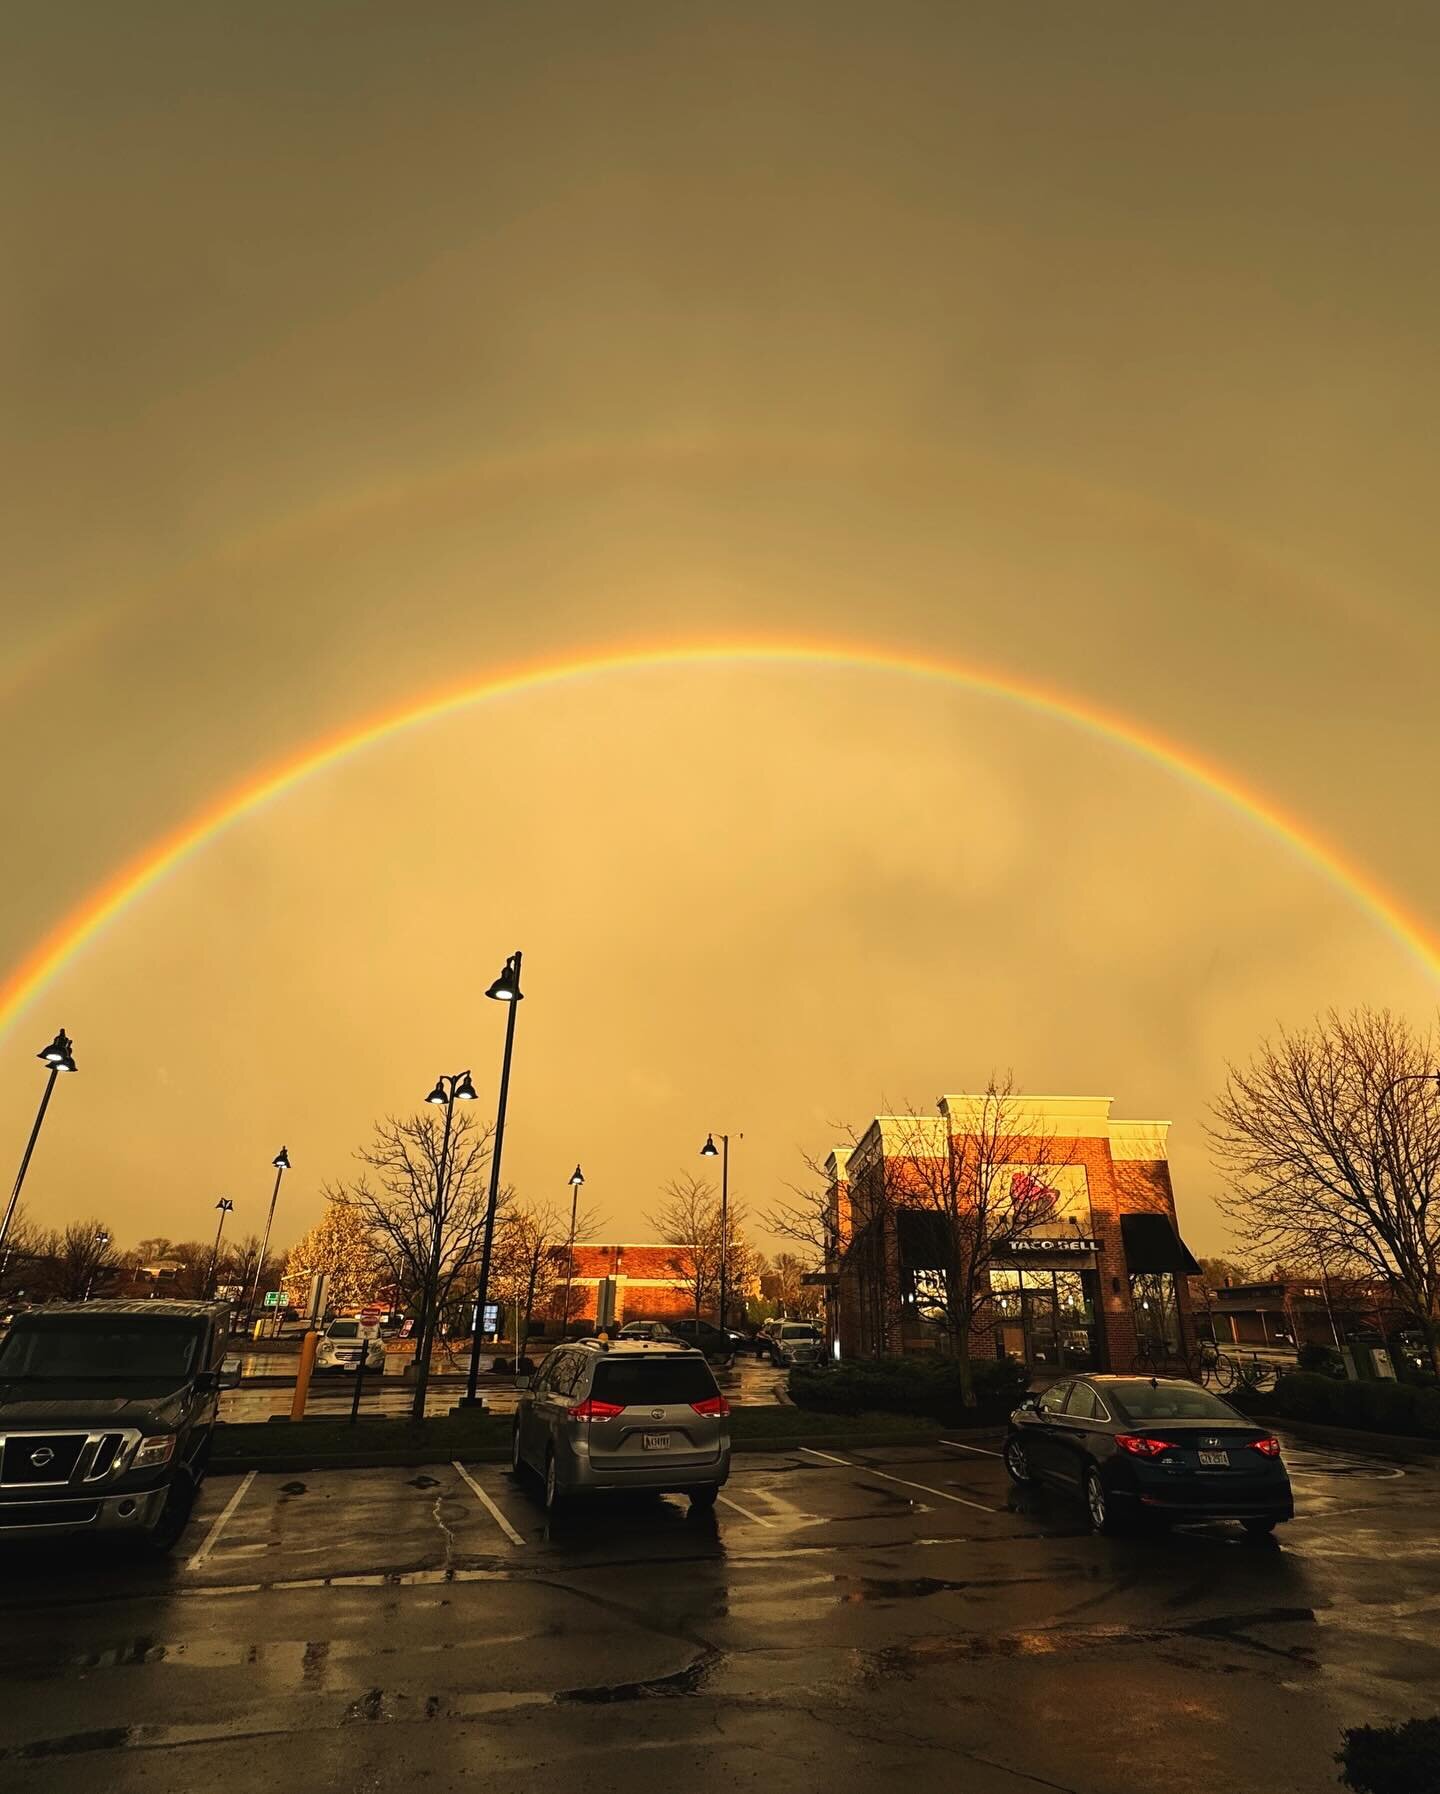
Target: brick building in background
651	1282
1103	1268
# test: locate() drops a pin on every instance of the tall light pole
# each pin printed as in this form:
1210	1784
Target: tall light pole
448	1090
281	1162
505	989
577	1177
225	1207
708	1151
59	1056
102	1240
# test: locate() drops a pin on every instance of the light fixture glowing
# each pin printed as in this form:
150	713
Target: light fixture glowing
60	1053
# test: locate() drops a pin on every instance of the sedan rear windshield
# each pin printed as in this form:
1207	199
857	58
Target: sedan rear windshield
635	1381
57	1351
1143	1400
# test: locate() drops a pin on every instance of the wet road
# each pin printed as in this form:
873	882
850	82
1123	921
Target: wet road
844	1616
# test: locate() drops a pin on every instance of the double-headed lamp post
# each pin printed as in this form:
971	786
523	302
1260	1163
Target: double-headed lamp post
709	1151
577	1178
59	1056
456	1088
505	989
225	1207
281	1162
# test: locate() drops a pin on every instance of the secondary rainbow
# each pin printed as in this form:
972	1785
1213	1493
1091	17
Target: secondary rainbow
85	922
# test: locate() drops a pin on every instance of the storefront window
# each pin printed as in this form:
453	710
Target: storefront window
1157	1310
1044	1318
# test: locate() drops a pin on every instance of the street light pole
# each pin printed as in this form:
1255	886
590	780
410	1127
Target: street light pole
102	1240
577	1177
448	1090
707	1151
281	1162
225	1206
505	989
59	1056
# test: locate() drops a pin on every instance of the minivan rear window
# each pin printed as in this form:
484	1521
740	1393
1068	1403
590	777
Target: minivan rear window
631	1381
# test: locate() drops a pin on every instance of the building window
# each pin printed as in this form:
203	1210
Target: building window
1157	1310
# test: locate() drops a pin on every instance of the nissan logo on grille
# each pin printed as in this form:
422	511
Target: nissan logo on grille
42	1456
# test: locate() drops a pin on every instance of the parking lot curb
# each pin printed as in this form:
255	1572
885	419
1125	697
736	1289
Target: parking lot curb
1354	1438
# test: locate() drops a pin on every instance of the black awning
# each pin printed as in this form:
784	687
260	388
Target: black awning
1152	1244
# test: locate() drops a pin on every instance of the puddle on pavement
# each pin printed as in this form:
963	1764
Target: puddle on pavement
423	1482
292	1488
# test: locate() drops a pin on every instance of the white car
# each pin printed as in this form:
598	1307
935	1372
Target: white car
342	1344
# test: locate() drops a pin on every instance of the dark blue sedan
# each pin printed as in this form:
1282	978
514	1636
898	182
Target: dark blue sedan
1158	1448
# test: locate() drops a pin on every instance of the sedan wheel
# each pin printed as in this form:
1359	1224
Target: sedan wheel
1102	1515
1017	1463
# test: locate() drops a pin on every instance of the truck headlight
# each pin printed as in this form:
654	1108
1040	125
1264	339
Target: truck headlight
155	1451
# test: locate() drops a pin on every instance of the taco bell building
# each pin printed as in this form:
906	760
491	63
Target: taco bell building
1084	1263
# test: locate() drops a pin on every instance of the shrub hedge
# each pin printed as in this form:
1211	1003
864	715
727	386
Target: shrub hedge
920	1386
1378	1407
1392	1759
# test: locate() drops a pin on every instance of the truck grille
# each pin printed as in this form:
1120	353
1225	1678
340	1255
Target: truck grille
41	1460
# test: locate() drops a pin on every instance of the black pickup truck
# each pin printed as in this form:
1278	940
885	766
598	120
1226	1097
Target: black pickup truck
106	1415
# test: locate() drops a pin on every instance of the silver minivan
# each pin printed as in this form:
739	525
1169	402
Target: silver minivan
623	1414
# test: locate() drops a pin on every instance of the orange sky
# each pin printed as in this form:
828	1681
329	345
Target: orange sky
349	357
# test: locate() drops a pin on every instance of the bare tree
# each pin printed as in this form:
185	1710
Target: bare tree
1330	1138
429	1229
689	1220
240	1262
798	1299
64	1262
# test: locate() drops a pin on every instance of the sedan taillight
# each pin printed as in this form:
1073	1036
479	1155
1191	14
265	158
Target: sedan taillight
1268	1447
1139	1446
714	1407
590	1409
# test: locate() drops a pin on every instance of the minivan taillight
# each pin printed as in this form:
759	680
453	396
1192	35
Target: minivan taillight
715	1407
1268	1447
590	1409
1139	1446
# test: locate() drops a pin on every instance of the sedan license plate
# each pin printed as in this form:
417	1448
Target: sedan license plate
655	1441
1214	1460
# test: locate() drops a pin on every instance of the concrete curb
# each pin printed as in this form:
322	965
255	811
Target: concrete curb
403	1457
1352	1437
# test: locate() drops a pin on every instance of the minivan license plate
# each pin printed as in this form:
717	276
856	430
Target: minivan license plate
656	1441
1214	1460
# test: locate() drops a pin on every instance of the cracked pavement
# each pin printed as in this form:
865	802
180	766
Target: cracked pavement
842	1616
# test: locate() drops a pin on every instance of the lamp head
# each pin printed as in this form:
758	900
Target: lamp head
577	1176
465	1090
60	1054
709	1150
506	988
281	1161
225	1205
437	1095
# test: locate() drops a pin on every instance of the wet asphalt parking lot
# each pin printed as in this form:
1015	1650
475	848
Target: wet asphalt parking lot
845	1615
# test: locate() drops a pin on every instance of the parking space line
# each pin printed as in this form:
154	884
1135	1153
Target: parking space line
510	1533
759	1519
904	1481
212	1538
980	1450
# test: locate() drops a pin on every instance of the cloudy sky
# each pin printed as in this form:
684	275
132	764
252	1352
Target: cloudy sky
357	352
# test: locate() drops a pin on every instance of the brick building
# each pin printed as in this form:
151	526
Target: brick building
651	1282
1100	1267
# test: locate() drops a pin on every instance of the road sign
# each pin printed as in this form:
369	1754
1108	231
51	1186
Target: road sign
372	1316
272	1298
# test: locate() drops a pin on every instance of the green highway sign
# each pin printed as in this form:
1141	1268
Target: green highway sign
272	1298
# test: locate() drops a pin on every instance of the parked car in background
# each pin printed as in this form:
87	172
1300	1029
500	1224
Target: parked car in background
1159	1448
718	1344
751	1343
645	1330
794	1342
107	1410
342	1343
627	1414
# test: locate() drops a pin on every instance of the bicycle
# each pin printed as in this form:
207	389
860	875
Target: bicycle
1213	1368
1152	1360
1254	1374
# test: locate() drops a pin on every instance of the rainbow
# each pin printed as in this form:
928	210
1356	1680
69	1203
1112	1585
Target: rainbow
87	920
